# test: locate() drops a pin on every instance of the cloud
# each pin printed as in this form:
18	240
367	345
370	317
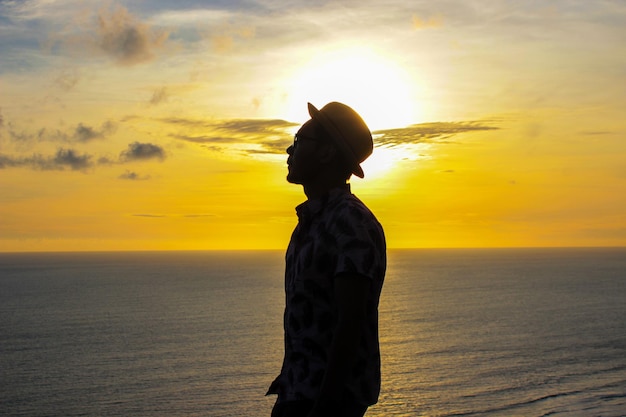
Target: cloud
122	37
67	80
255	126
1	119
85	133
276	147
186	216
430	22
154	216
438	132
142	151
204	139
159	96
594	132
75	161
225	40
133	176
272	136
104	160
64	158
7	162
70	158
252	136
80	133
41	135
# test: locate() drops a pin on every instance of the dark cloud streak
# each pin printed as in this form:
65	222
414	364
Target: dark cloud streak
255	126
64	158
151	216
272	135
133	176
439	132
81	133
205	139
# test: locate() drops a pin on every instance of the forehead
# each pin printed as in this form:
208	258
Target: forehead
309	128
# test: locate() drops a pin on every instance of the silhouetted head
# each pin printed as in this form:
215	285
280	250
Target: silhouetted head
331	144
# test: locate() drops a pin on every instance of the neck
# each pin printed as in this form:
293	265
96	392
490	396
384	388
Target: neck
320	188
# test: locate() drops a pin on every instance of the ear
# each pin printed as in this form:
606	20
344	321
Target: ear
327	153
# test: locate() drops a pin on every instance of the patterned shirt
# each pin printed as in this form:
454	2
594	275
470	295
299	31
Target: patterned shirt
336	234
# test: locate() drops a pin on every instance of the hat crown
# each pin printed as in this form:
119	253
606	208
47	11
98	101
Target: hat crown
348	130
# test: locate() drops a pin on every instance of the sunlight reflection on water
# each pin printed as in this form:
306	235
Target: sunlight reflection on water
490	333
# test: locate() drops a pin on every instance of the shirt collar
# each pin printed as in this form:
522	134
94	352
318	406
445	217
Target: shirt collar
312	207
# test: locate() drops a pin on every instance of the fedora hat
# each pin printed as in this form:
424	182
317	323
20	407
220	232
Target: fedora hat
348	130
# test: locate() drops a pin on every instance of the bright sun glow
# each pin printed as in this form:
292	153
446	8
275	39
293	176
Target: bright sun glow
376	88
380	162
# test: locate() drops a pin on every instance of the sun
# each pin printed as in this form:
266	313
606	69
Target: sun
377	88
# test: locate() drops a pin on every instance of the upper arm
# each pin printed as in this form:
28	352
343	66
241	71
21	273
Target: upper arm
351	292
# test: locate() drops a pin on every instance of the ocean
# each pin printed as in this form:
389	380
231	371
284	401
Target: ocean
464	332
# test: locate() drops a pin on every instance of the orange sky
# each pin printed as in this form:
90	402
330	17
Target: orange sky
155	126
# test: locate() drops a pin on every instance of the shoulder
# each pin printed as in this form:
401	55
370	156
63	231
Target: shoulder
351	220
351	209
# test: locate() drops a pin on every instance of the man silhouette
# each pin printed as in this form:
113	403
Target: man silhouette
334	271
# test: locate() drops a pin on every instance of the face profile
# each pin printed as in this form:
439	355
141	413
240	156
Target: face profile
303	161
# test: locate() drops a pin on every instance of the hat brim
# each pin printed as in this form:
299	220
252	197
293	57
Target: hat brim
338	138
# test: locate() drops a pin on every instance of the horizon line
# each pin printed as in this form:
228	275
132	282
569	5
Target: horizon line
284	249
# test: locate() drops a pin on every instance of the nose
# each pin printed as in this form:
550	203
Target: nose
290	149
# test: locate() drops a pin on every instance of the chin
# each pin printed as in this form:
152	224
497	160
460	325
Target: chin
291	179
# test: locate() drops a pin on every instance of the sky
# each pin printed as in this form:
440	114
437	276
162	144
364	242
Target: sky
161	125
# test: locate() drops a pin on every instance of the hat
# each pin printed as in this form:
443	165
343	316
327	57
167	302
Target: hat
348	131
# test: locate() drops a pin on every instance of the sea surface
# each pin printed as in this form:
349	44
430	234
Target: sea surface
508	332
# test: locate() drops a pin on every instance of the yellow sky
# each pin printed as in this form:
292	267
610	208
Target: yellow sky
154	126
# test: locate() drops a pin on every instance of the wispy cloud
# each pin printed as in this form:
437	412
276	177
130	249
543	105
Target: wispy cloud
160	216
429	22
269	136
82	132
160	95
273	136
439	132
227	38
133	176
205	139
67	80
154	216
233	126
